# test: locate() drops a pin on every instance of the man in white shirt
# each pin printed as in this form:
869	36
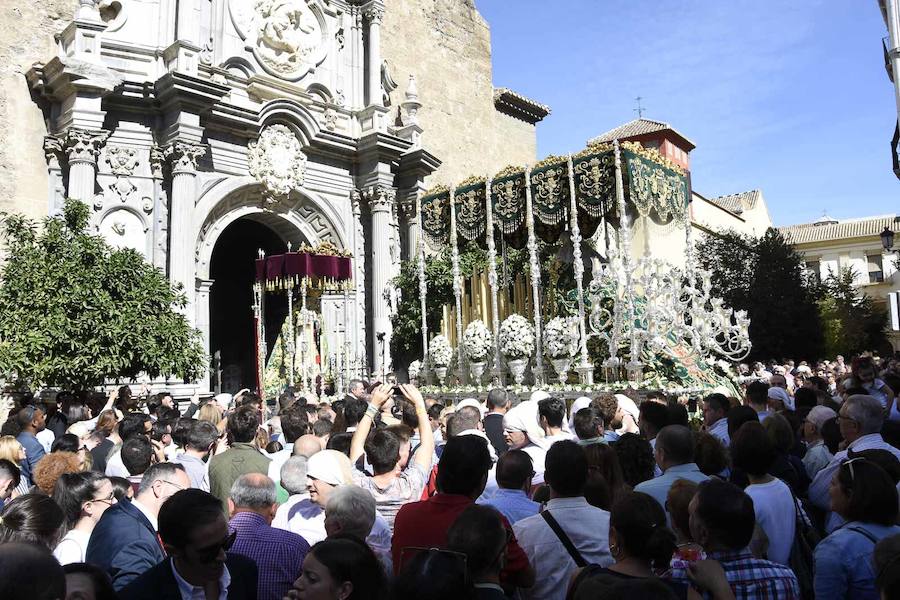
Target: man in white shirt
584	527
860	420
299	514
715	407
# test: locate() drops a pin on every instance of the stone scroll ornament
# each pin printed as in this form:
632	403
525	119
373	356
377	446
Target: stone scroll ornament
655	186
436	218
471	219
508	200
277	161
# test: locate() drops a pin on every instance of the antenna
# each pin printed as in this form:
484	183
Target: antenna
640	109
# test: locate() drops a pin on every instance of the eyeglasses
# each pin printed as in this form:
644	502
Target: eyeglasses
109	500
173	484
209	553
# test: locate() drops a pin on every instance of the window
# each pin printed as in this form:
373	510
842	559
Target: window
876	268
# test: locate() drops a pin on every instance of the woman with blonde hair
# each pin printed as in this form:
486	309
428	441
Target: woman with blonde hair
12	450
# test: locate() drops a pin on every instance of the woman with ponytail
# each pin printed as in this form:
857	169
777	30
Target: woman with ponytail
83	497
32	519
641	544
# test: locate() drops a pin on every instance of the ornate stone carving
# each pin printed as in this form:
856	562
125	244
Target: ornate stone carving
289	34
184	156
83	146
121	228
381	198
147	204
157	160
374	14
330	117
121	160
53	150
277	161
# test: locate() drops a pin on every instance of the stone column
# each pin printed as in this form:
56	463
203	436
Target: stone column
183	157
374	14
82	147
409	221
381	200
201	318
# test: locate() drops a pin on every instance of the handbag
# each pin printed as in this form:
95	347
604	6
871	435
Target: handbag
801	560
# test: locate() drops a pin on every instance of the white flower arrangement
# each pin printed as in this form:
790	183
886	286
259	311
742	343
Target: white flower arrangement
516	337
477	341
440	351
561	337
414	368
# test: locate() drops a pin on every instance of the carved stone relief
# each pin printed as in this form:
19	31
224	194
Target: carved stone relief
122	162
121	228
288	37
277	161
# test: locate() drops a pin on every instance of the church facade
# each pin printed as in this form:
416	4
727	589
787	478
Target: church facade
202	131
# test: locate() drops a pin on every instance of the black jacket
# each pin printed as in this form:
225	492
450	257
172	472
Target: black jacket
159	582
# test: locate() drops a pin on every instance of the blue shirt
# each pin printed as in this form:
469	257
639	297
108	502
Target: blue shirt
658	487
844	566
515	505
34	451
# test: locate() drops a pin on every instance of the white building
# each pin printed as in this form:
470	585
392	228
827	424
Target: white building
829	245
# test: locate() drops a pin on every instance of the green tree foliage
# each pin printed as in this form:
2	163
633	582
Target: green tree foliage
765	277
75	312
851	322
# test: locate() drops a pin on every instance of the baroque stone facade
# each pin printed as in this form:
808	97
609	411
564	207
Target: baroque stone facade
178	120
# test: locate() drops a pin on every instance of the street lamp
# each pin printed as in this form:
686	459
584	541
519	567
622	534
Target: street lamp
887	239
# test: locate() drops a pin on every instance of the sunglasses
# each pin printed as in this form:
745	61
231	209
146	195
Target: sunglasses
210	553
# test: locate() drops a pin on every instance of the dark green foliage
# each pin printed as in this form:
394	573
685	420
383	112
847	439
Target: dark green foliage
765	277
75	312
851	322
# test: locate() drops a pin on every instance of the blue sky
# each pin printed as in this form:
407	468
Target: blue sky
790	97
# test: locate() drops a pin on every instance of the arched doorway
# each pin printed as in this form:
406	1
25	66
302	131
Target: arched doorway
231	331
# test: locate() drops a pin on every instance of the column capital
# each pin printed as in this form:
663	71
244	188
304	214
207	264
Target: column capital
54	149
381	198
374	13
407	209
157	161
184	156
83	145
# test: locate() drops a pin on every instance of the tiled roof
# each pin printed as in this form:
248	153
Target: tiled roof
851	228
635	128
517	105
738	203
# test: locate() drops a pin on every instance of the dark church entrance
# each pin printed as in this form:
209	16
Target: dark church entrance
231	331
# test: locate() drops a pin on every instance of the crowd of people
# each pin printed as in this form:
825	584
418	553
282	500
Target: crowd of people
786	489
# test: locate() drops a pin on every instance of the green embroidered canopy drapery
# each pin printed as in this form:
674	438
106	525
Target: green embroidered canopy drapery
471	217
436	218
654	186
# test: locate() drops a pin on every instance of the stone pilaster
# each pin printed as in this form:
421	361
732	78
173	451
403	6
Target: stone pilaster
374	14
409	226
183	158
201	318
82	147
381	200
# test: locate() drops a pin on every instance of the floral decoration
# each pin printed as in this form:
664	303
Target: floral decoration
561	337
414	368
516	337
477	341
440	352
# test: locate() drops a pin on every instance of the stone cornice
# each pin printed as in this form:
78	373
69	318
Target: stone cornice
518	106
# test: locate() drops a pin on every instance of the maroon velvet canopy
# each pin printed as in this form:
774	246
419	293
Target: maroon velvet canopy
293	266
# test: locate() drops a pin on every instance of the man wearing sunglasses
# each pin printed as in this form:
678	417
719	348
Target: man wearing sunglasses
196	538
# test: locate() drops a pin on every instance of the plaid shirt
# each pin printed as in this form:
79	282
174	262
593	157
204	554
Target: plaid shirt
278	554
750	578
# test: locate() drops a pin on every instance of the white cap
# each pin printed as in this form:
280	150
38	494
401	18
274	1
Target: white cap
472	402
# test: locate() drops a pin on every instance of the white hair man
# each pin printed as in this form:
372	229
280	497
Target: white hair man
351	511
860	420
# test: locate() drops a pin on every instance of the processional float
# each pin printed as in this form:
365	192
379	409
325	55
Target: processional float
634	308
308	271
